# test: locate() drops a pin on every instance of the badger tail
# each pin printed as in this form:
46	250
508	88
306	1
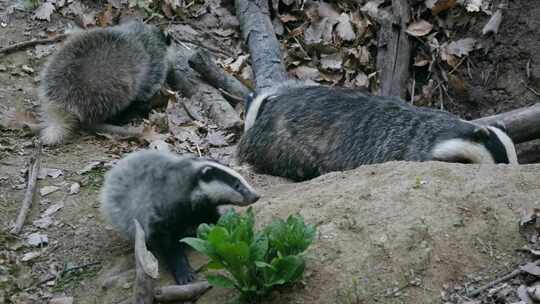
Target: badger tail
58	124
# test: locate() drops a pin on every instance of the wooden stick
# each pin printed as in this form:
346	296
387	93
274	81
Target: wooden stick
30	43
147	269
523	124
202	62
181	292
33	172
507	277
394	51
258	33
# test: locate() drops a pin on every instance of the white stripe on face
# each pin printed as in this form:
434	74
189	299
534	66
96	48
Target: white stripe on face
231	172
508	145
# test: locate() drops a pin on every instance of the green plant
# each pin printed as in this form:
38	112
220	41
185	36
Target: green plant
256	261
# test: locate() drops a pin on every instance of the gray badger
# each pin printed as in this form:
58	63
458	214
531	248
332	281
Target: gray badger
301	132
170	195
98	74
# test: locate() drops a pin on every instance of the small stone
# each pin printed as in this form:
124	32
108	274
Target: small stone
74	188
27	69
36	239
30	255
61	300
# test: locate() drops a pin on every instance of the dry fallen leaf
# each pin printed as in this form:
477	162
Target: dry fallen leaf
44	11
493	24
473	5
332	61
306	73
149	134
531	268
419	28
438	6
105	18
344	28
461	47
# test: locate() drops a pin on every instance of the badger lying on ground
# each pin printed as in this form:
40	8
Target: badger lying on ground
170	196
301	132
98	74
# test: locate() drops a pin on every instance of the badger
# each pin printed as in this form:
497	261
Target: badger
170	195
301	132
100	73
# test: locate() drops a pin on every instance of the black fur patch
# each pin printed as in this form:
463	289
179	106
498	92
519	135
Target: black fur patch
496	148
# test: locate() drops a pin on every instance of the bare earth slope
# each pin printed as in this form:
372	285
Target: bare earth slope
399	231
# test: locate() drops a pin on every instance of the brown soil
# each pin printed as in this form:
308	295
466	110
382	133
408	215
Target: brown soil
380	227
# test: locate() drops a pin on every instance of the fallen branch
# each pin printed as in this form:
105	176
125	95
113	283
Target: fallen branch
33	172
529	152
202	62
183	78
507	277
394	51
523	124
30	43
258	33
147	269
181	292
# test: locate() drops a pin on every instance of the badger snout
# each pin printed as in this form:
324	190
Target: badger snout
250	198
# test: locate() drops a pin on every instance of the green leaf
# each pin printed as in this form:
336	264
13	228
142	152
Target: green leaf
203	230
260	264
220	281
199	245
259	247
218	236
235	255
215	265
289	268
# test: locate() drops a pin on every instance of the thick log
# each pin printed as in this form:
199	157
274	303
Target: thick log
204	64
394	51
523	124
259	35
183	78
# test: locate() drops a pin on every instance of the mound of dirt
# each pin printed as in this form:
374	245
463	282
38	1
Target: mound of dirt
398	232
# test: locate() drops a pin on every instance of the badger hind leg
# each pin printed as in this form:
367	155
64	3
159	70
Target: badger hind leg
58	125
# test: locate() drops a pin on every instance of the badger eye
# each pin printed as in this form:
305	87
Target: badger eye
237	186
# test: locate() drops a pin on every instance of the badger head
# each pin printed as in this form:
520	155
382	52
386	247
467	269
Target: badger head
482	144
217	184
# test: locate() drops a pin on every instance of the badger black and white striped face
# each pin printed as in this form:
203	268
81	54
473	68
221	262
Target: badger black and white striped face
489	145
219	185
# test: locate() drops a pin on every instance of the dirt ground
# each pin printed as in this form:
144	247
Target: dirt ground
382	237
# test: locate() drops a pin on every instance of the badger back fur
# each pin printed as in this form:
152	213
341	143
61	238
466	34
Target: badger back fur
303	132
170	195
99	73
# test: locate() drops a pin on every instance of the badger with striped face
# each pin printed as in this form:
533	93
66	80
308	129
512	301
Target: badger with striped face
301	132
170	195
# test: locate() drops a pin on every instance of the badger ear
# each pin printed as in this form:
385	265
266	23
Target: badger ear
206	173
500	125
480	133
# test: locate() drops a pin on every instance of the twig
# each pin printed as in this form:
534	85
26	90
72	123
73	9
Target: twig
35	165
30	43
516	272
535	92
236	99
147	269
181	292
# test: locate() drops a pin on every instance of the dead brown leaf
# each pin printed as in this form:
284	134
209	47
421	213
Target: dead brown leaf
319	32
105	18
44	11
419	28
493	24
332	62
306	73
326	10
438	6
216	139
149	134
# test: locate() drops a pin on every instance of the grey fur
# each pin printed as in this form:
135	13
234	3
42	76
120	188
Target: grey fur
303	132
170	195
98	74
